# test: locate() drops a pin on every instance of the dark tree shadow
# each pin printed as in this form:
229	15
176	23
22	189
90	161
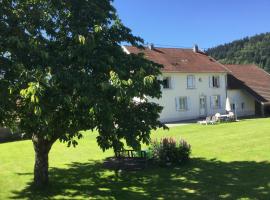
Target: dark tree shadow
199	179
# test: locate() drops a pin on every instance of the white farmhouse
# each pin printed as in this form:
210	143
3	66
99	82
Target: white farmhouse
195	85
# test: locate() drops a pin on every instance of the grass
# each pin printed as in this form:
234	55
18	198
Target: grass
229	161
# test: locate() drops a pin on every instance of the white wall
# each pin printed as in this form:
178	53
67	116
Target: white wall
179	88
238	97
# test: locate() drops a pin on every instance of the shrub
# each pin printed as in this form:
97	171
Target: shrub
169	151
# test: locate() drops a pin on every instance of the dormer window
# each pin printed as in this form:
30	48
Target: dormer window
166	82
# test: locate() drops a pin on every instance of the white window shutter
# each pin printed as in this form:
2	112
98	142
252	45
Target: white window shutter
210	82
188	103
222	81
211	102
171	82
177	103
219	81
194	81
160	78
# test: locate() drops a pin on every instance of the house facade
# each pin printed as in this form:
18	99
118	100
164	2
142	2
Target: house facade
192	95
241	102
195	85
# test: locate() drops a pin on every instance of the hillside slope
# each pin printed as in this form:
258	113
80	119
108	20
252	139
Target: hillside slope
249	50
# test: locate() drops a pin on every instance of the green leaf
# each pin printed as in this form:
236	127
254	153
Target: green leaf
33	98
148	80
10	90
97	28
37	110
81	39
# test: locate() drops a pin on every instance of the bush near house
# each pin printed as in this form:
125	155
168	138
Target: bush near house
168	151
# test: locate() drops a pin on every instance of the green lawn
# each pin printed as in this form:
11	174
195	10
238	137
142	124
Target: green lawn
229	161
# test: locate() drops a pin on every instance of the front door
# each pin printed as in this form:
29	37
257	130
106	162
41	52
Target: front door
202	106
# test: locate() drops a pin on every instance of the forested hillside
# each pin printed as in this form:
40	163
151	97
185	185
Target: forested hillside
249	50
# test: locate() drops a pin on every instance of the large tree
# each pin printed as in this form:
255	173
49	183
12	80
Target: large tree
62	70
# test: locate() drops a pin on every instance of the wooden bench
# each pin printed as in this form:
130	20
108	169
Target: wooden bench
130	154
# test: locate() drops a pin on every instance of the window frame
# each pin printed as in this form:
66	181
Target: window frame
168	79
182	103
215	81
233	106
243	105
193	79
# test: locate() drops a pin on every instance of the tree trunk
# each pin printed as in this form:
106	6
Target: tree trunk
42	148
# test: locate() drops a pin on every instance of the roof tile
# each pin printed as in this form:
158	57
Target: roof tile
252	77
180	60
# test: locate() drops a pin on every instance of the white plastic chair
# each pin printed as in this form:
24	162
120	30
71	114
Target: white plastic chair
206	121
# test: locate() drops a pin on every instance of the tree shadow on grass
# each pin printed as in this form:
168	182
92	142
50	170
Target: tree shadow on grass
199	179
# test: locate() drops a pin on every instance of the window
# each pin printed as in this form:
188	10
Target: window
243	105
233	106
214	82
215	102
166	82
190	81
181	103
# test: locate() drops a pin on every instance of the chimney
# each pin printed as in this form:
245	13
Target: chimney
195	48
151	46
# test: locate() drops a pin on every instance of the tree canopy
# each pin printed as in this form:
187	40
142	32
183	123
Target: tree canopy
250	50
62	70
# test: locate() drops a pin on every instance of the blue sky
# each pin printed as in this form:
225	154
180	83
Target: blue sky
185	22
